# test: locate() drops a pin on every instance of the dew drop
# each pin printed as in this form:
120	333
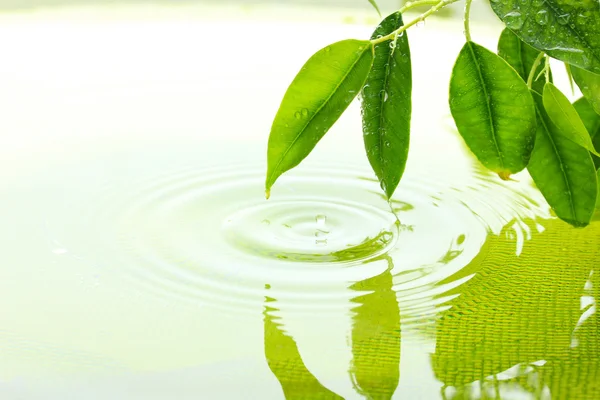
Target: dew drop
514	20
265	222
563	19
297	115
582	19
385	96
538	3
542	17
552	28
304	112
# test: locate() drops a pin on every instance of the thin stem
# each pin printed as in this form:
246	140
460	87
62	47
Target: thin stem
467	16
418	3
547	69
420	18
534	67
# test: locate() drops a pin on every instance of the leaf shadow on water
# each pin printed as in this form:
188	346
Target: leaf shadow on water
375	366
518	325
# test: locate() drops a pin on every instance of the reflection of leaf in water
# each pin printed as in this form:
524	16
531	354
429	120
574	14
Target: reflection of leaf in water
576	375
286	364
375	368
520	309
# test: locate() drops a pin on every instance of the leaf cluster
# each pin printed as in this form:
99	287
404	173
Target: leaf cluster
504	104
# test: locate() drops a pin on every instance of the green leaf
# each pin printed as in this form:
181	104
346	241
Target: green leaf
589	84
566	119
564	29
374	4
563	171
520	56
493	110
317	97
591	120
386	106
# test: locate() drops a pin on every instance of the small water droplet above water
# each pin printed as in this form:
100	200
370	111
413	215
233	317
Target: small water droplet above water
321	242
321	220
320	233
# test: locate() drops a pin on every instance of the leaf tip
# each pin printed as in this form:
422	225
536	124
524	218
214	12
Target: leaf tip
505	176
267	193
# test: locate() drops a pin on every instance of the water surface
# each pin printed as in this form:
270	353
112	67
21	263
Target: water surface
141	260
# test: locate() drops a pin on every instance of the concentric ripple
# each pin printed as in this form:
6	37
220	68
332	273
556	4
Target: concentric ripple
209	236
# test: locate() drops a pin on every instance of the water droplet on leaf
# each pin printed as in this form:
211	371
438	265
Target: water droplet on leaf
514	20
542	17
563	19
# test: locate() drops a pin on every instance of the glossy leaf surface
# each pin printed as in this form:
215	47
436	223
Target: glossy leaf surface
589	83
521	57
493	110
591	120
566	119
386	107
565	29
563	171
317	97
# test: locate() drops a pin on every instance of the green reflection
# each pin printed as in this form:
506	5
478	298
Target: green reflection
286	363
375	368
512	327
